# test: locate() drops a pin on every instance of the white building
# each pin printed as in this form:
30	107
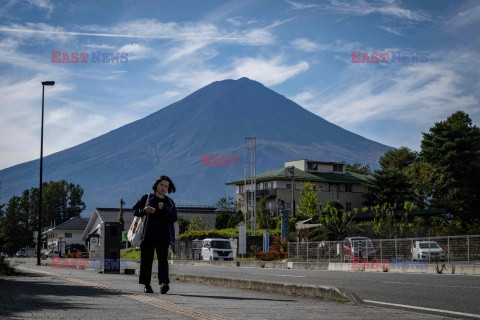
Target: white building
69	232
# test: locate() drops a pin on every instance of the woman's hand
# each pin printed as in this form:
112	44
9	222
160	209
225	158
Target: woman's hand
149	209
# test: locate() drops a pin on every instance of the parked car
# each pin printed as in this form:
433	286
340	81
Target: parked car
4	254
20	254
427	250
52	253
358	248
217	249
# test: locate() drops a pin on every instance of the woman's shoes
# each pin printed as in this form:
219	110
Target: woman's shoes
148	289
164	288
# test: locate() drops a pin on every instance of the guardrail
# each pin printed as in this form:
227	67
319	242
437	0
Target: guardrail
455	248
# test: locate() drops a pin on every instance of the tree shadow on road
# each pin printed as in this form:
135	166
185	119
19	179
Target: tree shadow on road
28	293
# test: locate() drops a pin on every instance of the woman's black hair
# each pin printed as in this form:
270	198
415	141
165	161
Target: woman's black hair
171	186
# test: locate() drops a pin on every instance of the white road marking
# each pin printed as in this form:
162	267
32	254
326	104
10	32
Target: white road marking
279	275
431	285
455	313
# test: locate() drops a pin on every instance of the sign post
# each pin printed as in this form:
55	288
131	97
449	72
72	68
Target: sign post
242	239
266	242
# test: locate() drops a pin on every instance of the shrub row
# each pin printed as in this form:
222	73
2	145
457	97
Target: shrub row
269	256
77	255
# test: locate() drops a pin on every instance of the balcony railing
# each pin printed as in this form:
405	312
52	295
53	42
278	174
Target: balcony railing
263	193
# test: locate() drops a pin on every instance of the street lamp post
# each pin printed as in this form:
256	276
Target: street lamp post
39	236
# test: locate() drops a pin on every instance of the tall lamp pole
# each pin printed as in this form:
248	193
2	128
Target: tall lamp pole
39	236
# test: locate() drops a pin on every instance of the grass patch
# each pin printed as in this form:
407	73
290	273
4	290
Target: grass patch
136	254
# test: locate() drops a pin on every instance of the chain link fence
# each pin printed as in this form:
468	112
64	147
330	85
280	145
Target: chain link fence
464	249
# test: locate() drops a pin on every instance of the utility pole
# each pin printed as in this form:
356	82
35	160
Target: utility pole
250	178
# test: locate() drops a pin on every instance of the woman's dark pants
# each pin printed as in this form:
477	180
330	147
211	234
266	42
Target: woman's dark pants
146	260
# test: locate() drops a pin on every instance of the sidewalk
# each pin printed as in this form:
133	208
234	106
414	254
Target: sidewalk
44	293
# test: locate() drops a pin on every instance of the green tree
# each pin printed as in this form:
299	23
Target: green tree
453	146
387	224
236	219
197	223
61	201
388	185
308	203
400	158
226	205
120	216
11	227
264	219
431	185
221	220
358	168
182	225
336	224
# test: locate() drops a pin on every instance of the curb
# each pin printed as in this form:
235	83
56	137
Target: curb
312	291
323	292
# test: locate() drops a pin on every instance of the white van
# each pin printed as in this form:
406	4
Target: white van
217	249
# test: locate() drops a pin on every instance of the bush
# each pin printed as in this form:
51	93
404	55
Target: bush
5	268
269	256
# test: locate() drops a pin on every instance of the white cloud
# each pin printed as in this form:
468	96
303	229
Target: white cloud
135	51
467	14
303	98
305	45
298	5
268	71
42	4
416	93
258	37
391	30
240	21
363	8
37	32
99	46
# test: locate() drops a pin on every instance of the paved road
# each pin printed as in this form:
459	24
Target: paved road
449	292
86	294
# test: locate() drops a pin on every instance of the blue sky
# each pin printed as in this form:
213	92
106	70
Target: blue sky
301	49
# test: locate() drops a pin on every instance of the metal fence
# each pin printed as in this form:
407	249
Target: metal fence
456	248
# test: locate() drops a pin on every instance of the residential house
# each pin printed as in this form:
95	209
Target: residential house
329	178
106	215
69	232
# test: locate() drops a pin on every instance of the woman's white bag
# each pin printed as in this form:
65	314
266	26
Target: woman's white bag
135	233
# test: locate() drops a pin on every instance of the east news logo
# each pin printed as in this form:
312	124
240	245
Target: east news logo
96	57
384	57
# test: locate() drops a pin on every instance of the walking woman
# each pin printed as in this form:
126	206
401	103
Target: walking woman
158	232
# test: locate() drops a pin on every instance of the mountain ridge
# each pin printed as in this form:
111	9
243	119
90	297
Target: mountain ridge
214	119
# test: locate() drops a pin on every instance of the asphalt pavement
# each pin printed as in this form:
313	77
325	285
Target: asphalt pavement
447	292
43	293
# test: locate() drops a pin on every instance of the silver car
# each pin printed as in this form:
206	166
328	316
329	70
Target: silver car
429	250
20	254
4	255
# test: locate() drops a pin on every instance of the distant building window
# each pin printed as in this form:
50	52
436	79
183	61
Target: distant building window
68	235
338	168
348	207
313	167
289	186
348	187
333	188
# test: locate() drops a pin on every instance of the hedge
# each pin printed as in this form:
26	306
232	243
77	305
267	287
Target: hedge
269	256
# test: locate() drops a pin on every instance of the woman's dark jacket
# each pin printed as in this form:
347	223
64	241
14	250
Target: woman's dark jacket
169	211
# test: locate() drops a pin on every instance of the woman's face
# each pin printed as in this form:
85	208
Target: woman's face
162	187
